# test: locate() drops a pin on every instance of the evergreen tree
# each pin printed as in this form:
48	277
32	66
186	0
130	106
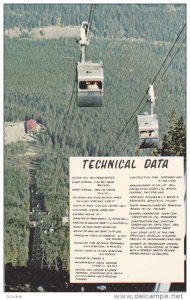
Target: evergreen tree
174	142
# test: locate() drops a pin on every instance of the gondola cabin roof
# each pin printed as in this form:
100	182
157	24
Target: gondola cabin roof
90	71
147	122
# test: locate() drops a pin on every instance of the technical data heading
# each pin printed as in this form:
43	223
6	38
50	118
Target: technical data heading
127	219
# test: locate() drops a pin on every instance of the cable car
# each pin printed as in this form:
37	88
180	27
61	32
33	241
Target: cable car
90	84
148	131
89	75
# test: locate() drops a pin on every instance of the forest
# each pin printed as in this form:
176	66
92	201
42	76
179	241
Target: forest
113	21
39	78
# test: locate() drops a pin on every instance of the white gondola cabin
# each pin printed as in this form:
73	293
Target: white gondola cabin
90	84
148	131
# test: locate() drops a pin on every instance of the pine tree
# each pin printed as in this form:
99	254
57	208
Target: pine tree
174	142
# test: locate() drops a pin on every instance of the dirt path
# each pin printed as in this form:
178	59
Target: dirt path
15	132
49	32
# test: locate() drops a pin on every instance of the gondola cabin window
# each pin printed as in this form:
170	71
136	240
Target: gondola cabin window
90	85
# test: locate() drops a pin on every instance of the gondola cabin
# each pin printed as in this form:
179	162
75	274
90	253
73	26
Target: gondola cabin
90	84
148	130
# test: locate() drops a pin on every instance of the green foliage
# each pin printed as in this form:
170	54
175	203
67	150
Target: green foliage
174	142
41	88
109	20
16	210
